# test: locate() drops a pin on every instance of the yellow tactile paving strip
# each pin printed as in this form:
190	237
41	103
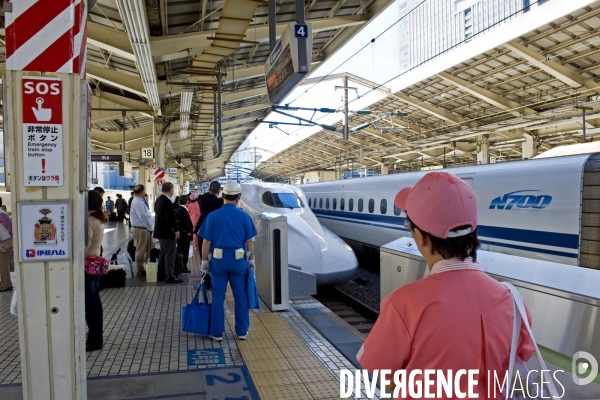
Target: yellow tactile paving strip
281	365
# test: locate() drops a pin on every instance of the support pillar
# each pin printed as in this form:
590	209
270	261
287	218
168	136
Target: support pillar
143	171
50	290
527	147
483	149
385	169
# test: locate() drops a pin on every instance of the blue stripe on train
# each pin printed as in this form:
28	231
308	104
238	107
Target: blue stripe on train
562	240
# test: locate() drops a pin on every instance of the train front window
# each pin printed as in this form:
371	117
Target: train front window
282	200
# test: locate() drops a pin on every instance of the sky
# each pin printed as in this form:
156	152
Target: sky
377	62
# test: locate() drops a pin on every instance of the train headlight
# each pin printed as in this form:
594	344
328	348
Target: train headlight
348	247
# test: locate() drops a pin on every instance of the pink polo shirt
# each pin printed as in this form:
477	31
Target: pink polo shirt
455	318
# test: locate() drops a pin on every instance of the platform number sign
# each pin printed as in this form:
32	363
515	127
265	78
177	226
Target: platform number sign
301	31
148	153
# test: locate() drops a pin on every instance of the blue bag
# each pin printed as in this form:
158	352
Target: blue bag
253	301
195	317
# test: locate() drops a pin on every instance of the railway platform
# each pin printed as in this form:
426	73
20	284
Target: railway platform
295	354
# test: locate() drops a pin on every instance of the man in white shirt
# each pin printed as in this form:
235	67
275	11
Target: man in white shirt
141	228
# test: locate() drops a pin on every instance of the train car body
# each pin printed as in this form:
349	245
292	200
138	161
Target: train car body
547	209
311	247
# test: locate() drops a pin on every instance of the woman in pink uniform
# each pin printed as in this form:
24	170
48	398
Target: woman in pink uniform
194	211
457	318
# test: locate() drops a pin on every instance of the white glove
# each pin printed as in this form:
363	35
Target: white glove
252	263
204	266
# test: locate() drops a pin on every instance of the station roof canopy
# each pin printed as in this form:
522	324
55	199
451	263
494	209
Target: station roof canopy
177	47
500	88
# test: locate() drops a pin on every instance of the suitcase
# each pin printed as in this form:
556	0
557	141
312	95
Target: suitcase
113	279
131	250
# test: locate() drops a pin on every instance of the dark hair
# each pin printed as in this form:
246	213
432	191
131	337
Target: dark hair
214	187
231	197
138	189
183	200
98	189
457	247
166	187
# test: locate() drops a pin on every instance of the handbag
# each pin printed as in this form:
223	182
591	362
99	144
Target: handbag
520	315
253	302
96	266
6	246
195	317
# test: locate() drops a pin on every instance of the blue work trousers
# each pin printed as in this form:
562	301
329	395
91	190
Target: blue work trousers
228	269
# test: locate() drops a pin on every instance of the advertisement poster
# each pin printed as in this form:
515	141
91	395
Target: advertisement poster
42	131
44	229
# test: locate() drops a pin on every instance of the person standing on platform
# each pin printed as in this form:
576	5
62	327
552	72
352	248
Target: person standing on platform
121	206
185	233
228	234
129	208
5	258
166	231
194	211
457	318
110	209
141	228
93	305
209	204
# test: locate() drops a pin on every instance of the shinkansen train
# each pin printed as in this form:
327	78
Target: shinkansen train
547	209
311	247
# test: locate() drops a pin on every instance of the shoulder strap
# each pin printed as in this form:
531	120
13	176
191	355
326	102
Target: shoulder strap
520	316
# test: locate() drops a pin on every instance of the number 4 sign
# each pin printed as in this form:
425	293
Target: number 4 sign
301	31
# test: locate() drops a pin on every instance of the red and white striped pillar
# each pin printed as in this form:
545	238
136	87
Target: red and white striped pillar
46	106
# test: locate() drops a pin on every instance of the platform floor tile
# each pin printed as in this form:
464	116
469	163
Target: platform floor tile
284	392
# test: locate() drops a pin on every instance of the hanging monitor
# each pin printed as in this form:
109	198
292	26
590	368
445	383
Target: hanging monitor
289	62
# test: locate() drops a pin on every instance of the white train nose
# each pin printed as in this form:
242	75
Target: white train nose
329	269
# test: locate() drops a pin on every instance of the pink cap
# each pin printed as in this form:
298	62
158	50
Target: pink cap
439	203
193	196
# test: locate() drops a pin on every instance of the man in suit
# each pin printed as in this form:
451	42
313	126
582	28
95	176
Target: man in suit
186	232
208	204
166	231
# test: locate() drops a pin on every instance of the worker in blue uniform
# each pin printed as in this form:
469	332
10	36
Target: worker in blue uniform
227	235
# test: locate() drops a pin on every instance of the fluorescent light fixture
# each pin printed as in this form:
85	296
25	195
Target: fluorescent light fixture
183	134
133	14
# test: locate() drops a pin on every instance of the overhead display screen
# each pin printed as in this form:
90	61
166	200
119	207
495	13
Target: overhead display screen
107	157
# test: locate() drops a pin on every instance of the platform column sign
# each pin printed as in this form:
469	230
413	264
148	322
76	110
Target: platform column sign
42	131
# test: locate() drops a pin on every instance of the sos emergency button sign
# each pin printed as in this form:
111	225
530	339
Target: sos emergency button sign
42	131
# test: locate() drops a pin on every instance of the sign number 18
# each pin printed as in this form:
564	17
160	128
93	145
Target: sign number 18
147	152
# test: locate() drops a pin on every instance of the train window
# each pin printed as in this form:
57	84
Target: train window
334	204
309	202
383	206
327	203
321	203
282	200
360	205
397	211
350	204
371	205
342	204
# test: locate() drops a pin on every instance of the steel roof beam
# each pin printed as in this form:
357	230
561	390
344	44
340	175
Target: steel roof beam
190	44
114	102
488	96
555	69
245	94
131	83
110	39
244	110
117	136
434	110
